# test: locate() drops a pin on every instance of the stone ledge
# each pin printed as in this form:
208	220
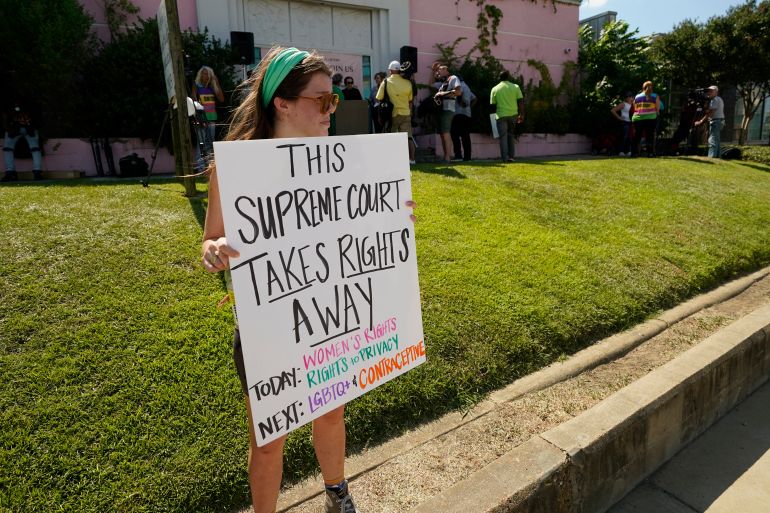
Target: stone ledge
599	456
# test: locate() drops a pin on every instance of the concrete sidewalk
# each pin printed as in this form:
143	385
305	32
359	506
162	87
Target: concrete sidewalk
726	470
570	437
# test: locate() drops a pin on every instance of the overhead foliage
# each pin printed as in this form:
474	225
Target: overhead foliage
617	62
125	80
740	43
619	58
116	12
684	54
43	46
728	50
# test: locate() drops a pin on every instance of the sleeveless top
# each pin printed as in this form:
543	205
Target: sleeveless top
625	112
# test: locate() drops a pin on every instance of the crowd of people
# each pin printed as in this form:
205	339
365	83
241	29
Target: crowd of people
638	115
639	118
391	108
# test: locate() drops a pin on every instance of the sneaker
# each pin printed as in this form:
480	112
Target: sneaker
621	154
456	159
341	502
510	159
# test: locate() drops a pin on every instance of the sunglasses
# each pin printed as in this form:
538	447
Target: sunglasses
328	101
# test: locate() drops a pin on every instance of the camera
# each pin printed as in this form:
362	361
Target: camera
697	96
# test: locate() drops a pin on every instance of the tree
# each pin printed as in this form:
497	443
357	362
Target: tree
43	46
618	58
684	54
618	61
116	12
740	41
733	49
126	86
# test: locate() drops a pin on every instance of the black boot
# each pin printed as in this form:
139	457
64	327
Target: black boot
37	174
10	176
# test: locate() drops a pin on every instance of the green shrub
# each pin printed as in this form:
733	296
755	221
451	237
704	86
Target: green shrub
759	154
544	101
42	47
126	87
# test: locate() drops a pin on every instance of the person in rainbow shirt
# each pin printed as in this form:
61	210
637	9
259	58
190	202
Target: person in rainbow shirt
645	119
207	91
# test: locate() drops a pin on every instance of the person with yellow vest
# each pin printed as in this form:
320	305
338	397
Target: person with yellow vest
645	119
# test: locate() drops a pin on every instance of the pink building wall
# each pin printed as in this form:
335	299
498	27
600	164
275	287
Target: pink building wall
188	15
528	30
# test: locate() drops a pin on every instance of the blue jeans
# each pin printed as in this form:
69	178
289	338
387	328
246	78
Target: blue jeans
506	127
715	135
10	144
205	135
625	137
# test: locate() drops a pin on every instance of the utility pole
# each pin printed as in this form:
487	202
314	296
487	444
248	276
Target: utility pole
173	64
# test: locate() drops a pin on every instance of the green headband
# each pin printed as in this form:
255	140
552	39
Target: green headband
277	70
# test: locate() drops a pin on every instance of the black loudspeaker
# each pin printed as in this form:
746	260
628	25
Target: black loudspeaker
408	54
242	44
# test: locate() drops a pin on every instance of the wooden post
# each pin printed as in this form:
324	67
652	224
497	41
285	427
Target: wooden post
174	64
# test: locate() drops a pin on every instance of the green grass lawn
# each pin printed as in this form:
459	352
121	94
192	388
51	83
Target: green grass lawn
117	391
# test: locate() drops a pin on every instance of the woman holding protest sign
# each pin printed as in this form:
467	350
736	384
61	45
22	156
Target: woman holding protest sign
289	95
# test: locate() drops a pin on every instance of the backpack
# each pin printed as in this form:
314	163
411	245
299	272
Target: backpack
731	152
133	165
385	108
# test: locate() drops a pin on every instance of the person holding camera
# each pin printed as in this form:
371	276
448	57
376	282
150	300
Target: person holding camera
461	123
715	115
447	95
399	93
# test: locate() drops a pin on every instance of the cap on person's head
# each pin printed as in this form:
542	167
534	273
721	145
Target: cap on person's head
713	88
394	66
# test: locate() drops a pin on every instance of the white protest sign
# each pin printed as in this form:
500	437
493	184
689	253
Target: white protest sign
326	288
493	122
165	50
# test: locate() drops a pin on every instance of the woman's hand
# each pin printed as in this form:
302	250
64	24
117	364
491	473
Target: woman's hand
216	255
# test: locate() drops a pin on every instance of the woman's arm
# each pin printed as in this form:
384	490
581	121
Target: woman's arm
216	253
615	111
217	89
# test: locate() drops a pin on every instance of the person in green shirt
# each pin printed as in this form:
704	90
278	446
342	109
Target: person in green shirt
507	101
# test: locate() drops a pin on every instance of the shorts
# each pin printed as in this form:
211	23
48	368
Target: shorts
446	121
401	124
238	358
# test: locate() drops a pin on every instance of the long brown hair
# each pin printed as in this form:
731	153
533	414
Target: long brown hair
253	121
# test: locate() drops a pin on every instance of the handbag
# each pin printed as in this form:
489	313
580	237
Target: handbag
385	108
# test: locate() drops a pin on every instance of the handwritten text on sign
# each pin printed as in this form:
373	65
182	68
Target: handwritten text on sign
326	286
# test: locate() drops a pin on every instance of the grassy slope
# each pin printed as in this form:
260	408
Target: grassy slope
116	387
